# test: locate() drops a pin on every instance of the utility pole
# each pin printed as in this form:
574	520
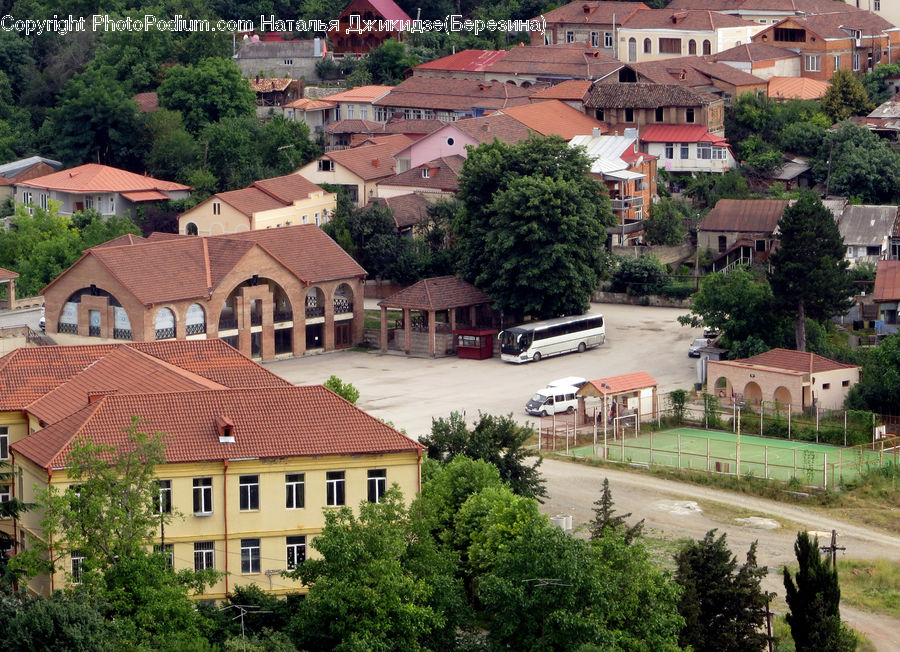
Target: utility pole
833	548
769	615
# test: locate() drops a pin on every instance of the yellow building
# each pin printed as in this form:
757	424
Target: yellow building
251	461
264	204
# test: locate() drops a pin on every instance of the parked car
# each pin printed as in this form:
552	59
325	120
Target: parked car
553	400
696	345
43	323
710	332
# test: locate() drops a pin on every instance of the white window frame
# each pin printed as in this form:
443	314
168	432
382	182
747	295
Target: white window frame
669	150
810	60
325	165
168	549
351	111
203	491
685	151
204	555
607	39
44	200
335	488
856	61
251	556
164	504
5	493
77	567
704	151
295	551
294	490
719	153
376	484
217	208
876	5
426	173
570	36
595	39
363	113
248	492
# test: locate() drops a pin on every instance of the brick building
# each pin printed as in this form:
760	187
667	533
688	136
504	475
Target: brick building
268	293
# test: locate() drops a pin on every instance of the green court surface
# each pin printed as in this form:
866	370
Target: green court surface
717	451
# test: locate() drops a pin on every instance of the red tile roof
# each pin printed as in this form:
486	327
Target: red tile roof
833	25
268	194
359	94
7	274
408	210
307	104
684	20
466	60
454	94
887	281
353	126
443	174
797	88
745	215
504	128
622	383
29	373
593	13
127	239
147	102
798	361
753	51
680	134
189	267
268	423
643	96
440	293
370	162
554	118
562	60
571	89
93	177
412	126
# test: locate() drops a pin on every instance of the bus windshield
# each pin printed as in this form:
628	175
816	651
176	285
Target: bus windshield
514	342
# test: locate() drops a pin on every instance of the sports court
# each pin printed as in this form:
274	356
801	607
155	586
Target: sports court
718	452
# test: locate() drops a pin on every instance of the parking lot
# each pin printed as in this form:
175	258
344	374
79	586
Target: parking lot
410	391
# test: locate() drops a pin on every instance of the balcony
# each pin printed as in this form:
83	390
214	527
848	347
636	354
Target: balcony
342	306
627	203
284	315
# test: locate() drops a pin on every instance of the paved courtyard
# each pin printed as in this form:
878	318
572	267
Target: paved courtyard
410	391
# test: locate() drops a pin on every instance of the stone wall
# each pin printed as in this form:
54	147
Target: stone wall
652	300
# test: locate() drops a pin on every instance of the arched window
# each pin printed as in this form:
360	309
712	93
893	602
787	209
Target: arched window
165	324
648	46
707	47
692	47
191	229
632	49
195	322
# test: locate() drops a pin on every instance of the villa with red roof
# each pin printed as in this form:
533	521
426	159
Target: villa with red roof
793	379
688	148
268	293
107	189
264	204
353	37
250	461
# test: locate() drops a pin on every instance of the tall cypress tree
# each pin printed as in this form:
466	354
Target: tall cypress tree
813	598
809	273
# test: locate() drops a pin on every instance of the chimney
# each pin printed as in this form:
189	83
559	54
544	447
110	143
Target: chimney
95	396
375	162
225	428
257	79
595	132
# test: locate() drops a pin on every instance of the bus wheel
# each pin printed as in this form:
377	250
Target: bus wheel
582	348
537	357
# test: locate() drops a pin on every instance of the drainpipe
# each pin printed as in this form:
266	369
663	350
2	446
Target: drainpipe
225	514
50	538
419	472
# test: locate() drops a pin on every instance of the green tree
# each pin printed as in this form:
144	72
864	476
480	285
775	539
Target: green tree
95	121
854	162
361	594
99	230
605	518
285	146
9	509
758	157
231	152
389	61
61	621
345	390
723	605
666	225
875	82
207	92
737	304
846	97
878	388
531	230
498	440
813	597
639	276
809	273
803	138
173	153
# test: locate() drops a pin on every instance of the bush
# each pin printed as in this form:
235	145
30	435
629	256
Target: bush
678	292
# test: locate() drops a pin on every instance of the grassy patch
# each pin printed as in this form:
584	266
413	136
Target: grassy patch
871	585
373	317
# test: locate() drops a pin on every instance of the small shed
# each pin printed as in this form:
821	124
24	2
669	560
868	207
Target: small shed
8	278
442	305
475	343
620	396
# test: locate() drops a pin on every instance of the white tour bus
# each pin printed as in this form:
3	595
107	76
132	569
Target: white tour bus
551	337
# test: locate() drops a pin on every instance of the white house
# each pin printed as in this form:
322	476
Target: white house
688	148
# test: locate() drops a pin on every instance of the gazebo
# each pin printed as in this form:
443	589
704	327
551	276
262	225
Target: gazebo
457	303
8	277
624	395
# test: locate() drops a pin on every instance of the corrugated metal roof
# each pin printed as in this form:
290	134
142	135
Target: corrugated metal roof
680	134
867	225
93	177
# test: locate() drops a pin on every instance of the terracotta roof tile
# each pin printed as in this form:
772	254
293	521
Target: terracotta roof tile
571	89
504	128
561	60
371	161
834	25
454	94
593	13
443	174
29	373
268	423
6	274
359	94
465	61
797	88
685	20
147	102
753	51
887	281
268	194
642	96
440	293
554	118
412	126
745	215
408	210
798	361
307	104
622	383
93	177
353	126
269	84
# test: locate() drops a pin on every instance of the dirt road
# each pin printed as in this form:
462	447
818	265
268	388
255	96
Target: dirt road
674	510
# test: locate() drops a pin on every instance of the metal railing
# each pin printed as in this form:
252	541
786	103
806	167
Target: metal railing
195	329
284	315
315	311
626	203
255	319
226	324
342	306
165	333
121	333
67	328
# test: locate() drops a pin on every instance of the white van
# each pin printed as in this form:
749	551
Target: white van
553	400
574	381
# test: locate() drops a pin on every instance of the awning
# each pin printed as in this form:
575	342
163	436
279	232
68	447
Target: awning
145	195
624	175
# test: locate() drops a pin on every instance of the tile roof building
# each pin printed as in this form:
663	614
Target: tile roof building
264	204
436	177
269	292
409	210
701	74
792	379
796	88
741	231
295	58
450	99
590	23
109	190
250	460
887	294
688	148
762	60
